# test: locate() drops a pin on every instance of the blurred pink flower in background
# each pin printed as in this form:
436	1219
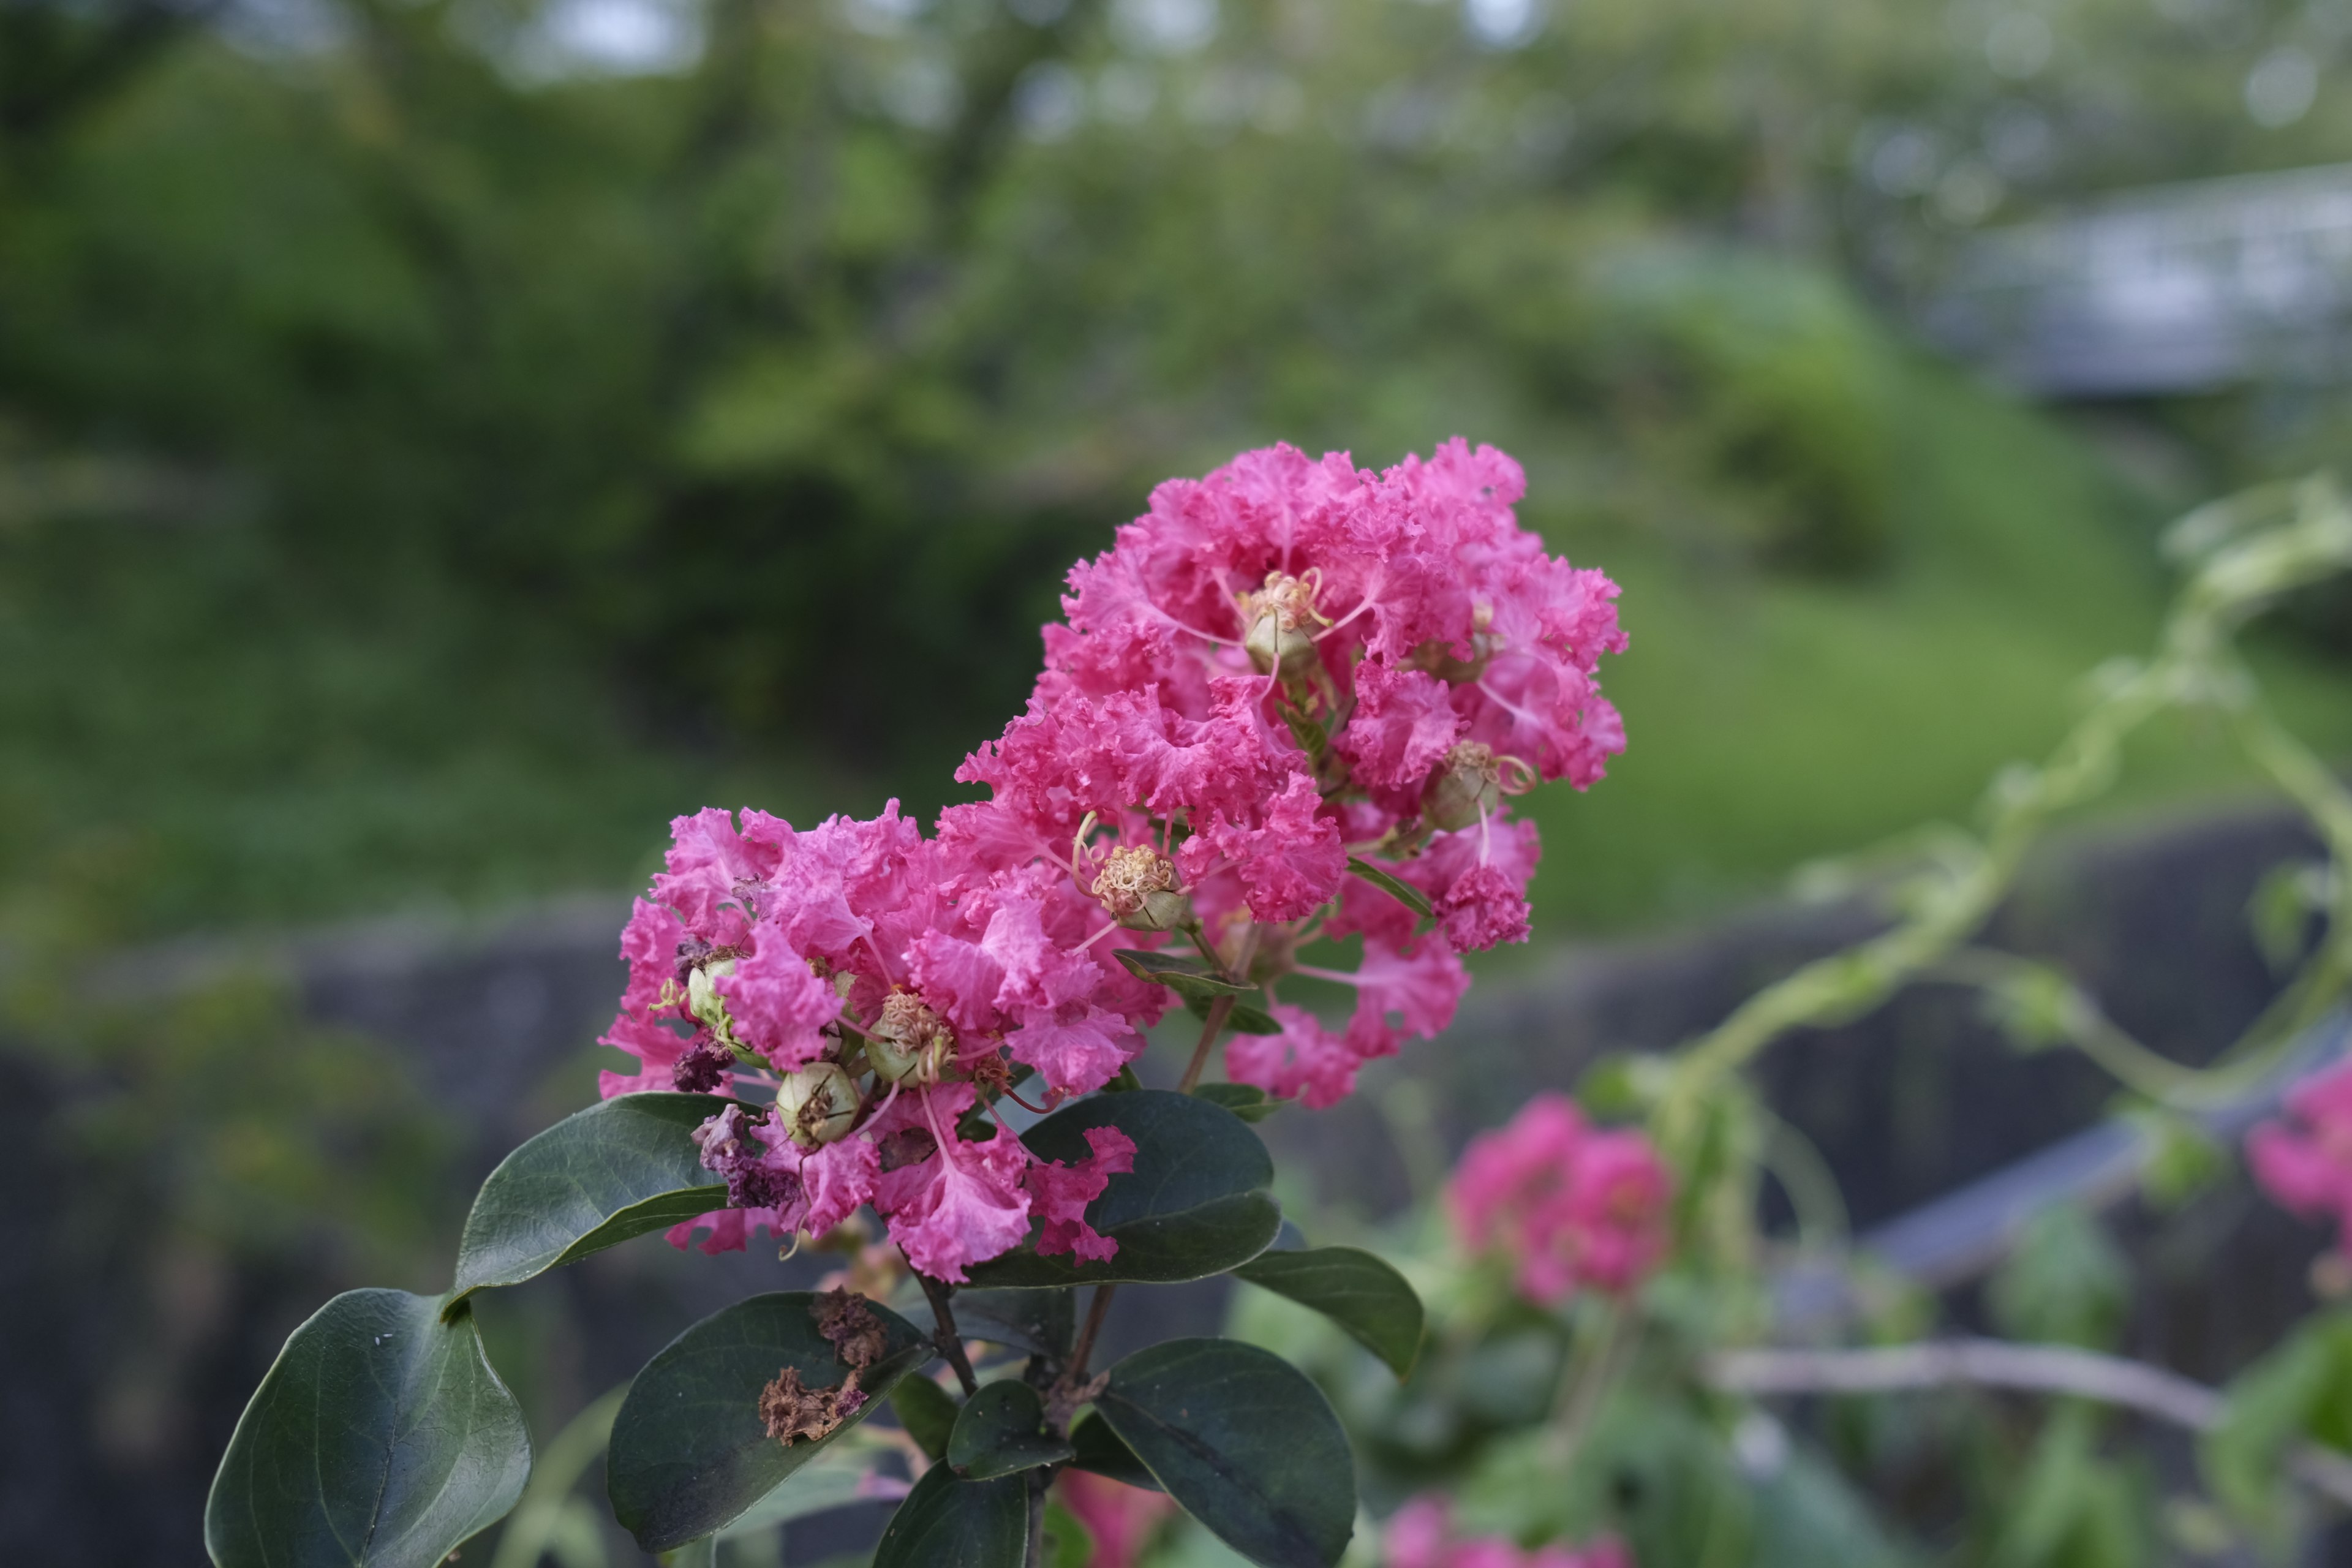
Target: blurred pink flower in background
1121	1518
1571	1205
1421	1535
2305	1161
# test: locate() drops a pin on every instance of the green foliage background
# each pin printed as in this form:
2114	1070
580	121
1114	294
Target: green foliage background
424	467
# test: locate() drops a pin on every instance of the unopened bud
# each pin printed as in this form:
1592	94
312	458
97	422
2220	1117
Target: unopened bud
1469	786
817	1104
1279	617
909	1040
1137	886
703	1000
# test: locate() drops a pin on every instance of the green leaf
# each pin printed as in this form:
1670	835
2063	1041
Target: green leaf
380	1438
1069	1543
2301	1391
1312	736
1361	1293
927	1410
947	1522
1043	1322
1245	1442
1402	892
1245	1101
835	1479
1246	1019
1195	1205
1002	1432
689	1453
1100	1450
1240	1017
1189	980
595	1179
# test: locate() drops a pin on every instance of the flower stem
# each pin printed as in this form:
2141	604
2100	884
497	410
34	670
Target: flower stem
1219	1011
1583	1385
943	1331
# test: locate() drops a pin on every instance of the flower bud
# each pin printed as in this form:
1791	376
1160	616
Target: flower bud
1279	617
1138	886
817	1105
909	1040
703	1000
1469	786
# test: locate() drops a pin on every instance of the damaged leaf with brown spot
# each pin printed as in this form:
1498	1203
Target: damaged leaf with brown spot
691	1448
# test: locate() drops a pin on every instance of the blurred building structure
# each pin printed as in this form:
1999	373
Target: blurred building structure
2175	289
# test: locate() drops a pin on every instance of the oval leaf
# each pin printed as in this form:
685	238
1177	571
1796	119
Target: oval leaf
1245	1442
1194	1205
1098	1448
1189	981
1002	1432
380	1437
1402	892
595	1179
947	1523
690	1453
927	1412
1361	1293
1245	1101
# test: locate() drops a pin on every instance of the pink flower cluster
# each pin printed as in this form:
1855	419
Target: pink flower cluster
804	961
2306	1162
1279	668
1301	662
1421	1535
1572	1206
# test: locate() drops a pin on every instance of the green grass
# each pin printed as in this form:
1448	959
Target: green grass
1772	721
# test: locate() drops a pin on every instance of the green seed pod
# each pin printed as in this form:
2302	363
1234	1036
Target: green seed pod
1468	787
909	1041
818	1104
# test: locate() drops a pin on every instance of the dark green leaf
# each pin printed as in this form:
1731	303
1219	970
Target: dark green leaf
1240	1017
1152	965
927	1410
1360	1292
839	1477
596	1178
1195	1204
947	1523
1403	892
1245	1442
1245	1101
380	1437
1099	1450
1125	1081
1043	1322
1001	1431
689	1453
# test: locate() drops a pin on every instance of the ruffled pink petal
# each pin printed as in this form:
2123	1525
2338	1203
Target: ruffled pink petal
1060	1195
778	1006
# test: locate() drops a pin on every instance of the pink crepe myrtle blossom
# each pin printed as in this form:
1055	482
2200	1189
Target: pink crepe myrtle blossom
1570	1205
1285	669
1293	662
2305	1161
772	963
1421	1535
1122	1518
